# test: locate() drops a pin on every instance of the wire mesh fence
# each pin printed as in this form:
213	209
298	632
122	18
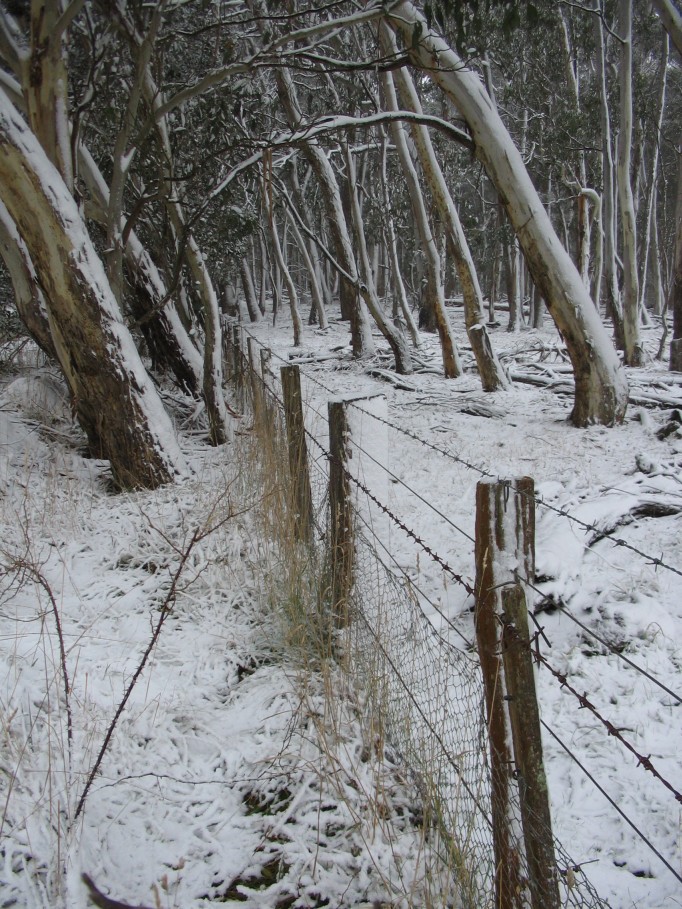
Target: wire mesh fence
420	680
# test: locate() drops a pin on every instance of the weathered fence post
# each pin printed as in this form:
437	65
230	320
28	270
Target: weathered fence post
238	364
227	347
341	514
265	357
505	559
357	445
298	450
254	379
526	738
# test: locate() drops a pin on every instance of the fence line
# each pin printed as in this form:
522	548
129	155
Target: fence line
656	561
538	500
582	699
611	801
616	541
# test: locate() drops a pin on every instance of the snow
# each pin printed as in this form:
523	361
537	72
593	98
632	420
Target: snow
611	480
230	769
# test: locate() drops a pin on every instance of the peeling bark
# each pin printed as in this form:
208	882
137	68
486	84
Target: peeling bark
116	403
28	296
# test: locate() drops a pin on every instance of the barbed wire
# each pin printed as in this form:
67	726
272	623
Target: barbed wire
613	650
611	801
538	499
583	700
593	528
413	584
410	533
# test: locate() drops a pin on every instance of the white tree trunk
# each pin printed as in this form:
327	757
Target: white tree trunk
395	338
613	307
401	303
600	386
435	302
675	299
45	86
291	288
633	344
249	291
651	206
117	404
671	17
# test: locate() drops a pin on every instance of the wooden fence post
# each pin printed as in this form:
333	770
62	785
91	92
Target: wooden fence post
505	559
265	357
254	379
358	446
298	450
265	371
341	514
238	365
527	741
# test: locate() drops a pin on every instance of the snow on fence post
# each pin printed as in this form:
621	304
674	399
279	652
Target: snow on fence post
298	450
505	559
357	446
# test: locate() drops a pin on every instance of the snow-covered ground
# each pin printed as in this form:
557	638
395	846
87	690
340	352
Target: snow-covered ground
230	773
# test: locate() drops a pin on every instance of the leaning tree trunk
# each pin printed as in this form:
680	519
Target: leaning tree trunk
395	338
166	336
671	17
116	403
490	370
600	386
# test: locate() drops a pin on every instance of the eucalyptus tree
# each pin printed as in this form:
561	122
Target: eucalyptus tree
633	344
601	390
490	370
434	288
116	403
115	400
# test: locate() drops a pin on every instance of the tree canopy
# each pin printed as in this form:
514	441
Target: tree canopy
164	166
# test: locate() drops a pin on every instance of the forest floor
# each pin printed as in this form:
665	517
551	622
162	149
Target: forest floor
229	772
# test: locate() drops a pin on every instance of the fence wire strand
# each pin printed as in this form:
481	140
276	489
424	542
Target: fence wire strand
427	694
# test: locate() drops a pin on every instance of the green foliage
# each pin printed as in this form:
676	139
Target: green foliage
468	21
